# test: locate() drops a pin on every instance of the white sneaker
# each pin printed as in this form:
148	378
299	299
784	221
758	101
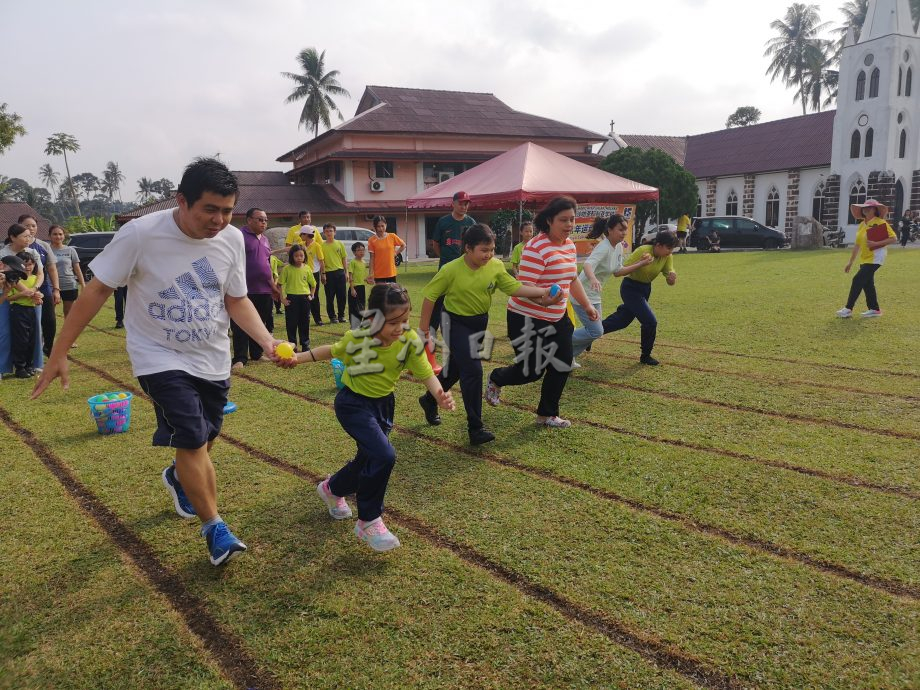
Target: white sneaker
553	422
376	535
575	365
844	313
336	505
869	313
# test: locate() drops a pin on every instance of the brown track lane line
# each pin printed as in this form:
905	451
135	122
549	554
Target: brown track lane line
227	650
883	584
662	654
770	358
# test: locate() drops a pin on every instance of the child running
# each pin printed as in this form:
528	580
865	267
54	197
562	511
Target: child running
606	260
298	288
526	236
637	288
467	285
357	277
375	357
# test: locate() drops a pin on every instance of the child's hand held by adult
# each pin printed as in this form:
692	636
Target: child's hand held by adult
445	400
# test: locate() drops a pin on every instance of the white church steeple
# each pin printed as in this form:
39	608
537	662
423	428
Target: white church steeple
886	17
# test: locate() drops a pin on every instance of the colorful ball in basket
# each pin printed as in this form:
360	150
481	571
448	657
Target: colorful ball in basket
111	412
338	368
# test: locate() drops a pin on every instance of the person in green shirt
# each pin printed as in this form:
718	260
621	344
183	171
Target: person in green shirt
526	236
357	277
298	290
467	285
276	266
374	359
336	257
636	288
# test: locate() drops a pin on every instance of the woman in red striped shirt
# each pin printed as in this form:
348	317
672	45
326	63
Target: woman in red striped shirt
542	335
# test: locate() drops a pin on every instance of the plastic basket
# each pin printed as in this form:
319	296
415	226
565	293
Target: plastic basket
111	412
338	368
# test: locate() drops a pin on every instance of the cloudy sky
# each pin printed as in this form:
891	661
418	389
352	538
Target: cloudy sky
151	85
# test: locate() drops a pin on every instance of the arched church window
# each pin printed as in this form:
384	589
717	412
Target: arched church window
870	135
855	141
861	86
731	204
908	80
818	203
902	144
857	196
772	209
900	78
699	207
873	83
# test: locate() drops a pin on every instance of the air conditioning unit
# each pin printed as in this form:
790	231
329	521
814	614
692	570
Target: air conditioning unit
369	217
444	176
378	186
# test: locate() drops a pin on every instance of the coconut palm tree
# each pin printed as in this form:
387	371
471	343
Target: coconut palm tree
821	79
796	48
146	189
113	177
59	144
316	89
48	176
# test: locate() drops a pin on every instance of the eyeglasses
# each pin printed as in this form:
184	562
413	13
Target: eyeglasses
260	220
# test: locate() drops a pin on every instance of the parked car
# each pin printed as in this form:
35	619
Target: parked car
653	230
88	246
736	231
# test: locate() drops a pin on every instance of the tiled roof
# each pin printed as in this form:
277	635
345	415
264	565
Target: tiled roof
260	178
675	147
796	142
393	110
10	212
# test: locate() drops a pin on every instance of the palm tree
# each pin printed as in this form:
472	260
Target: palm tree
59	144
315	88
146	188
112	177
48	176
821	79
796	48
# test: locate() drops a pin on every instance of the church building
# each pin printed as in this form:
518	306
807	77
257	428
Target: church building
817	165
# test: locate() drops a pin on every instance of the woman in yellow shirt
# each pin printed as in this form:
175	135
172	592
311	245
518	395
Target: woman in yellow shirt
871	256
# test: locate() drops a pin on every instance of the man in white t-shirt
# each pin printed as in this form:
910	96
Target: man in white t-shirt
186	272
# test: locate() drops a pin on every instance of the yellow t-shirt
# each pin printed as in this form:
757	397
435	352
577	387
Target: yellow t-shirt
296	280
293	235
683	223
28	282
468	292
335	255
276	265
866	255
314	254
372	369
649	272
358	271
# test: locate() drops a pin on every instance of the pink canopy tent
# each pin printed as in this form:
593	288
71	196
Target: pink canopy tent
531	174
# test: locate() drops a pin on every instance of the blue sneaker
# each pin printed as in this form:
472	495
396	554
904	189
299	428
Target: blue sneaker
183	506
222	544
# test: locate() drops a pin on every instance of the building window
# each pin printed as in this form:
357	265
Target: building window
383	170
873	83
818	203
337	168
870	135
772	209
861	86
857	196
855	141
902	144
908	80
731	204
699	207
900	78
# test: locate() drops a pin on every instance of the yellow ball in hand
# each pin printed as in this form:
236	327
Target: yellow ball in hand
285	351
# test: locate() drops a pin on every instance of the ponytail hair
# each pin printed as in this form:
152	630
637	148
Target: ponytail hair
602	225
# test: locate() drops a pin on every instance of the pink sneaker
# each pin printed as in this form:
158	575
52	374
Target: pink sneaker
337	506
493	394
376	535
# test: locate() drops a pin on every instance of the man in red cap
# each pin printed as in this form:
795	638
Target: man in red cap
446	243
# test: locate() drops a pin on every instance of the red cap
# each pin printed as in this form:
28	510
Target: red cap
462	196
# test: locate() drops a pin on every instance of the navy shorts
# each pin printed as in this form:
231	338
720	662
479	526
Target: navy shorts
190	410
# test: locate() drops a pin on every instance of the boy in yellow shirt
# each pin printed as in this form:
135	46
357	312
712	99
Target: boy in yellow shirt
357	277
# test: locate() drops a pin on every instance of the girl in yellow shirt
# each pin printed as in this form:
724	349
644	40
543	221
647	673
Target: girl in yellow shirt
298	290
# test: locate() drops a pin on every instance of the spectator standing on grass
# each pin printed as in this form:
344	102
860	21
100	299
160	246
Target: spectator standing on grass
19	239
298	289
304	219
51	290
260	287
383	248
70	275
683	229
357	277
24	297
871	256
906	221
185	268
447	241
526	236
636	289
336	282
540	333
317	263
10	262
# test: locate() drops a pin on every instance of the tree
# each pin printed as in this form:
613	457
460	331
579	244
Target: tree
48	176
59	144
87	184
146	189
164	187
18	189
316	90
796	48
112	178
821	80
10	128
743	116
676	186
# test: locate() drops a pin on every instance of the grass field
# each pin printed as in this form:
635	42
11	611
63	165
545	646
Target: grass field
745	515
